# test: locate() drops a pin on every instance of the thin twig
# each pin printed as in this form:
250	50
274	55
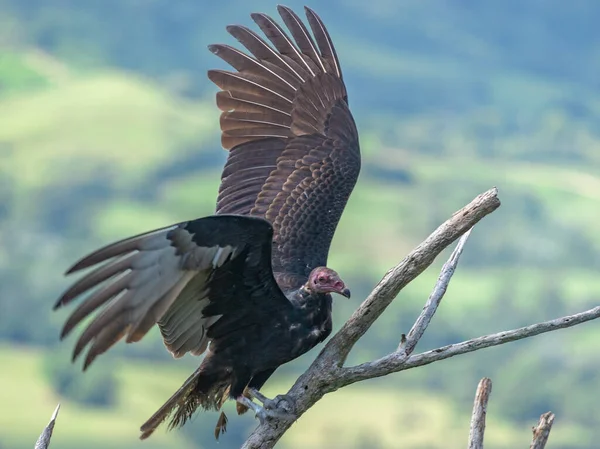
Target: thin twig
435	298
484	389
44	440
542	431
394	362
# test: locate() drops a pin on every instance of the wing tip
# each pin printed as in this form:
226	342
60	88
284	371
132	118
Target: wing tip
260	17
64	299
89	358
287	11
79	265
66	330
281	7
91	355
232	28
75	355
311	13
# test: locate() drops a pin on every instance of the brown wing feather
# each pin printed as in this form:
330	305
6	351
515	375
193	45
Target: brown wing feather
326	47
294	154
301	36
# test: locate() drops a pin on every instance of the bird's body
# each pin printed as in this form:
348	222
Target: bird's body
231	365
248	287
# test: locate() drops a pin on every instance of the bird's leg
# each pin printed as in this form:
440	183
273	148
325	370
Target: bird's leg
241	408
281	403
259	411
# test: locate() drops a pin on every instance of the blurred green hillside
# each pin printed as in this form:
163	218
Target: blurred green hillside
109	129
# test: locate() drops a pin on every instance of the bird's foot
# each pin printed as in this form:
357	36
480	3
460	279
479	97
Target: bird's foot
281	403
259	412
281	407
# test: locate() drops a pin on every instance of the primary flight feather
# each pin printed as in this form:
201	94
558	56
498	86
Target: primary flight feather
248	287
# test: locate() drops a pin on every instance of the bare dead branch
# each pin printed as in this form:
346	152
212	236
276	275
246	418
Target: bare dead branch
44	440
408	345
395	362
340	345
482	396
542	431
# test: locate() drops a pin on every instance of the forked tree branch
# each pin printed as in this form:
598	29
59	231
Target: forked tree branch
416	332
338	348
327	373
395	362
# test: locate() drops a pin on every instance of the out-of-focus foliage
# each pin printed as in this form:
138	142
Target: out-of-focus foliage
98	389
109	129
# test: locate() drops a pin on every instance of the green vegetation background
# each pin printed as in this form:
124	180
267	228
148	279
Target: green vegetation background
109	129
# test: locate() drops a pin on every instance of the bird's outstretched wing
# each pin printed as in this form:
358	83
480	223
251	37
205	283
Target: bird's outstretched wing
294	154
198	280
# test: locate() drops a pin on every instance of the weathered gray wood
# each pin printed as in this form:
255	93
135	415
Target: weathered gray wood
43	441
542	431
416	332
482	396
338	348
395	362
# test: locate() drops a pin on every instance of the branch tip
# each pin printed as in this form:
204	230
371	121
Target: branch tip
541	432
43	441
477	430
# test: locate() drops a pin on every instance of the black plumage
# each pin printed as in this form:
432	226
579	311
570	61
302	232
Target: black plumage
248	286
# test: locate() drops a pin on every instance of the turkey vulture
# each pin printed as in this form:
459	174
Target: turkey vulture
248	287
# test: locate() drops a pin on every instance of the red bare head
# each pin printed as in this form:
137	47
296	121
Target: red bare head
325	280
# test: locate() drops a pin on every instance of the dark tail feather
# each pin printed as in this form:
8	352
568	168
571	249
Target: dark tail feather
221	426
200	389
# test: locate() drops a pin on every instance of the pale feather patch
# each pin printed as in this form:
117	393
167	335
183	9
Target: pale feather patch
222	255
184	326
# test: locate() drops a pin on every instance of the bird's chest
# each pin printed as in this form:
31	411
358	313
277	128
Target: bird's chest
309	332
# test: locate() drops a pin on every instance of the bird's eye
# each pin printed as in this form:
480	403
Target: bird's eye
321	279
